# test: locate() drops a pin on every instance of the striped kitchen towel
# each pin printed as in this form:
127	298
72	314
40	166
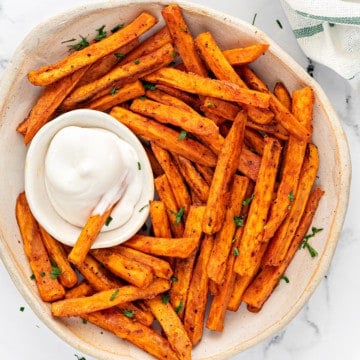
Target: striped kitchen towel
328	31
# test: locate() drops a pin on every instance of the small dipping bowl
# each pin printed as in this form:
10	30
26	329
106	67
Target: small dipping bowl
37	194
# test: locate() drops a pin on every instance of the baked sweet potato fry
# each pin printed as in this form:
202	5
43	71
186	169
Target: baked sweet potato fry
174	177
197	294
245	55
282	93
172	247
263	285
140	335
88	236
120	75
302	106
251	240
159	219
167	114
183	39
225	169
281	241
48	286
107	299
172	327
68	277
165	137
134	272
53	72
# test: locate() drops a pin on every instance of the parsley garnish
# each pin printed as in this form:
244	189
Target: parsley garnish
253	21
179	307
165	298
139	165
144	207
113	91
117	28
239	220
129	313
84	321
174	279
279	23
178	215
32	277
149	86
210	105
248	200
67	41
136	61
55	272
285	278
108	221
142	97
182	135
42	274
305	242
22	308
291	196
83	43
236	251
114	295
80	358
119	56
101	33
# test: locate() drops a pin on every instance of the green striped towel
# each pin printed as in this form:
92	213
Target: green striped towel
328	31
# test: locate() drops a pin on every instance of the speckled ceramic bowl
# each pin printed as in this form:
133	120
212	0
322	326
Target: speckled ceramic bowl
242	329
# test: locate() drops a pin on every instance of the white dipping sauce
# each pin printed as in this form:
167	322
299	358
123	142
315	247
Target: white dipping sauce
89	169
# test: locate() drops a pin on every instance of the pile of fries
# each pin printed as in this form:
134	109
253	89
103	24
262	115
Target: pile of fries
234	174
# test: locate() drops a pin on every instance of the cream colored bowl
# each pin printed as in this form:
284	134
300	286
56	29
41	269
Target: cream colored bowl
242	329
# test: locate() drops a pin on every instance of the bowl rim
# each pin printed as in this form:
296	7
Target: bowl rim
344	165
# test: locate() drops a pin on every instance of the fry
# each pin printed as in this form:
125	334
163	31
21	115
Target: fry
122	74
254	140
223	176
159	219
125	93
268	278
245	55
132	271
48	102
250	243
224	237
172	247
225	109
88	236
281	241
282	93
174	212
184	267
165	137
293	160
142	336
183	40
175	178
49	288
197	294
51	73
83	289
67	277
172	327
160	267
188	121
193	178
196	84
107	299
302	106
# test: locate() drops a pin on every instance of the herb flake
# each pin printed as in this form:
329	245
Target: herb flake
108	221
178	215
55	272
248	200
285	278
182	135
117	28
129	313
279	23
114	295
101	33
239	220
179	307
165	298
83	43
305	243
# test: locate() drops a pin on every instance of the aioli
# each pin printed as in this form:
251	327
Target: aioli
89	169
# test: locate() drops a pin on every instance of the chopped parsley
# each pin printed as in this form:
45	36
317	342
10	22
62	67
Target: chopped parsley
236	251
305	243
210	104
117	28
139	165
67	41
83	43
165	298
129	313
291	196
101	33
136	61
174	279
22	308
142	98
179	307
182	135
80	357
178	215
248	200
253	20
149	86
144	207
119	56
239	220
32	277
285	278
279	23
55	272
113	91
108	221
42	274
114	295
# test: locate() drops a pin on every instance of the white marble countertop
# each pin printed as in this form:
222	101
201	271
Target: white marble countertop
329	325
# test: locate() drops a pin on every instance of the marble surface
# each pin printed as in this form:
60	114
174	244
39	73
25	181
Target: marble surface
328	327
